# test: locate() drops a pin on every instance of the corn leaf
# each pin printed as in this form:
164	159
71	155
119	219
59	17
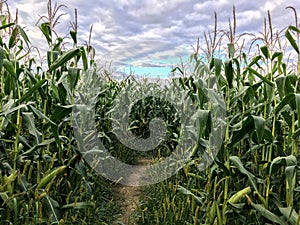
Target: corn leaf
78	205
64	58
264	49
252	179
29	93
290	214
269	215
290	38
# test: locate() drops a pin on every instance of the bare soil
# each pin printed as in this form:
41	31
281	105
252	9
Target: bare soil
128	197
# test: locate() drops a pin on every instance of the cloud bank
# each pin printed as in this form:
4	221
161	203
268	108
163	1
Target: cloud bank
151	33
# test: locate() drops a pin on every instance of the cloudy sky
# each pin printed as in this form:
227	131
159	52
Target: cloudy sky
150	36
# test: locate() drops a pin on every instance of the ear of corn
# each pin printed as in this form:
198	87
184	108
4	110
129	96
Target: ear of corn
49	177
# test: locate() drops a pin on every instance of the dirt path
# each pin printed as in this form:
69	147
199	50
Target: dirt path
128	197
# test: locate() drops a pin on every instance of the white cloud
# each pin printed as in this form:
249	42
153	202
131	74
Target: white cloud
128	30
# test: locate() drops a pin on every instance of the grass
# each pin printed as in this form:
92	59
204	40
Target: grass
254	179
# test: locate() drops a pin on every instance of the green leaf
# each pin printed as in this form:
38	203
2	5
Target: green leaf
11	110
74	36
36	147
179	69
52	124
238	70
1	58
13	38
231	50
290	83
265	51
278	55
267	214
297	100
61	112
278	162
45	28
279	66
296	134
23	35
252	179
65	57
51	57
290	38
229	72
238	135
29	122
84	58
284	102
40	114
240	93
280	83
268	135
73	76
9	67
290	176
5	198
255	60
203	116
187	192
54	209
248	93
251	92
259	123
293	28
7	25
260	76
31	91
290	214
218	66
57	46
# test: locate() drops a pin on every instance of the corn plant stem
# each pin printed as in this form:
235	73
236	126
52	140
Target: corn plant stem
274	115
287	194
269	65
2	92
298	74
196	215
38	176
298	220
227	162
273	134
18	126
36	216
44	120
207	189
264	147
285	137
242	117
16	142
294	141
71	125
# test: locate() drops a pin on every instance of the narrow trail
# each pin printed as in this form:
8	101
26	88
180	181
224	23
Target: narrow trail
128	197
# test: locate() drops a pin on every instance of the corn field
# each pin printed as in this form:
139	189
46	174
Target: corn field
254	178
